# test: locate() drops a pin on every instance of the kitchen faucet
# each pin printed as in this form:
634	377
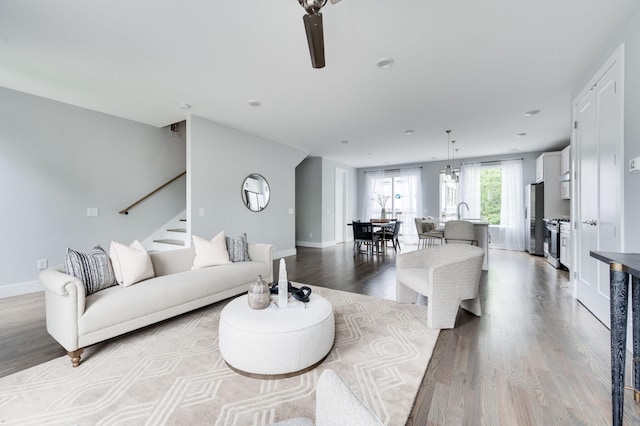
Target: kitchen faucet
458	208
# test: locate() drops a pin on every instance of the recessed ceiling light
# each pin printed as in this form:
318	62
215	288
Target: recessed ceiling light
184	106
532	112
384	63
254	103
408	132
519	135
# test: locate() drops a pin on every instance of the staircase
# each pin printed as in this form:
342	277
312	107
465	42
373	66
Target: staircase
171	236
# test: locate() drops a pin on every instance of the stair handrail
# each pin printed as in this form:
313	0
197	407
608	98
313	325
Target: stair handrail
125	211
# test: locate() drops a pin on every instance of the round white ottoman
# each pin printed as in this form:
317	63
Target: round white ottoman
276	341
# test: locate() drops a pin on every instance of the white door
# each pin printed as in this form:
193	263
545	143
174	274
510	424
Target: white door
341	206
598	211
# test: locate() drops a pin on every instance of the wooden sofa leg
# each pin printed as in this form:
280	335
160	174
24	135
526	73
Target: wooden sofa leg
75	357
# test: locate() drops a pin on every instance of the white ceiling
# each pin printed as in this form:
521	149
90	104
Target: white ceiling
468	65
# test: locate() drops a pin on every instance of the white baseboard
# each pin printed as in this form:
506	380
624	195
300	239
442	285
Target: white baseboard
285	253
20	289
315	245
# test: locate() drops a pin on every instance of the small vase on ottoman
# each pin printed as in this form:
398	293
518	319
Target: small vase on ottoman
258	295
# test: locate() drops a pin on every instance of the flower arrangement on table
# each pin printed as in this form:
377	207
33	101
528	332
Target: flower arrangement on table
382	201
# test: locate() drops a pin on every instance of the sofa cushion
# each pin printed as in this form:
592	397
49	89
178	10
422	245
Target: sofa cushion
131	264
93	269
210	253
117	305
238	248
172	261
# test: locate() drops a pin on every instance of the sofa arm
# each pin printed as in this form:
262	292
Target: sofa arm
64	305
56	281
259	252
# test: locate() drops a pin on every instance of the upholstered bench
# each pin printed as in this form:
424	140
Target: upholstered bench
275	341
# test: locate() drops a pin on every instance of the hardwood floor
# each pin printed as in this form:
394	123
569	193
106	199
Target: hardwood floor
536	356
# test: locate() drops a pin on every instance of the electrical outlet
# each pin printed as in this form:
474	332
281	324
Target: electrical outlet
290	211
92	211
310	234
201	211
42	264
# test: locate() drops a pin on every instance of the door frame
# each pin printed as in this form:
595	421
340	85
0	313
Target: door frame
340	227
616	57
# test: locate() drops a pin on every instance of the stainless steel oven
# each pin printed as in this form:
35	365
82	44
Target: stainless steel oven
552	242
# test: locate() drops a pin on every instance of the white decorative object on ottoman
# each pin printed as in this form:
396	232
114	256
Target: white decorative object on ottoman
276	341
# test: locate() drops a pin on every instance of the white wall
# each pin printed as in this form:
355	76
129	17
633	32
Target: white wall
219	159
315	198
57	160
309	202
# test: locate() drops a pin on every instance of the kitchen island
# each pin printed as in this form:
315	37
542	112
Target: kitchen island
482	235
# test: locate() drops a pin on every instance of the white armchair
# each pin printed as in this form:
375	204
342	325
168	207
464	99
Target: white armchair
336	404
448	275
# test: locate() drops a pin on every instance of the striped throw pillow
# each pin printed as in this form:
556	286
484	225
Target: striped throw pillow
238	248
94	269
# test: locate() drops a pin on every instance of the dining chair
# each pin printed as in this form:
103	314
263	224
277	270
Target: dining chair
460	231
389	234
363	233
427	232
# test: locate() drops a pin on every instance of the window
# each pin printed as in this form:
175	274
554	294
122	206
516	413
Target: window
398	192
494	191
449	196
491	193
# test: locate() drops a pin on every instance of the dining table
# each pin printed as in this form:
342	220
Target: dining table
385	226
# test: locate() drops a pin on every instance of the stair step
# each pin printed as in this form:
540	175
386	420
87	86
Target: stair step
183	230
170	241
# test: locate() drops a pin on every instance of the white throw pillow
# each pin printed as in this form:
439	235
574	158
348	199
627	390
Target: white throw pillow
210	253
131	264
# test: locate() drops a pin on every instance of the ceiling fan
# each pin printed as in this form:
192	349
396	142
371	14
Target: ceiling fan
313	27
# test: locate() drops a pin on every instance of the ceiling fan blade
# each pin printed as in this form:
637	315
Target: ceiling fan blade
315	38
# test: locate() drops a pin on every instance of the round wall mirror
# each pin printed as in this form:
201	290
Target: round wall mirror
255	192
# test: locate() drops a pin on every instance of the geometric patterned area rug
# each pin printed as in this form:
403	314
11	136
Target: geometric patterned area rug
172	373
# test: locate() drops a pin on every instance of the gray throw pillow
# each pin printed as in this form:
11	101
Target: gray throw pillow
94	269
238	248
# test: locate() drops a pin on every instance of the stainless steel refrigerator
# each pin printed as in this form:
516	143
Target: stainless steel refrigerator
533	216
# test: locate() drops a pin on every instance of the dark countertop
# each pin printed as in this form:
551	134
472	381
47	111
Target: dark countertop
630	261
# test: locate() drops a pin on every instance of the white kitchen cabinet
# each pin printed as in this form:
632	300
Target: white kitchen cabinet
548	171
565	190
540	169
565	160
565	244
565	173
548	167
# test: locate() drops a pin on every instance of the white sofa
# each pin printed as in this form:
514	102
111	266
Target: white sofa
77	321
448	275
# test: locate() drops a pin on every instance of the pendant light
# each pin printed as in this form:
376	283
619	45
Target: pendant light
457	175
447	170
